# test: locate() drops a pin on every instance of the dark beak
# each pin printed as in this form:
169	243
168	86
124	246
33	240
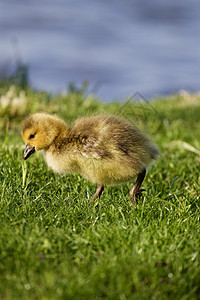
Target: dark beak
28	151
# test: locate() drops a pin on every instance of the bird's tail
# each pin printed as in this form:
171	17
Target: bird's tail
154	152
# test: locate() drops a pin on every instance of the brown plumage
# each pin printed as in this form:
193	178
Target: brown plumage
103	149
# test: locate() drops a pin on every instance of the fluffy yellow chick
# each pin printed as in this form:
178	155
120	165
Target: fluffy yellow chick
104	149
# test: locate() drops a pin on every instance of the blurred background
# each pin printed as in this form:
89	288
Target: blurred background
120	46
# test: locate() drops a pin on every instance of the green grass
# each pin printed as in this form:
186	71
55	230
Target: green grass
53	245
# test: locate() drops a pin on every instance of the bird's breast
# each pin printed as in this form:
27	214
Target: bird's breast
60	163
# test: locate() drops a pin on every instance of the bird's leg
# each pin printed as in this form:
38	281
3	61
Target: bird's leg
136	192
99	191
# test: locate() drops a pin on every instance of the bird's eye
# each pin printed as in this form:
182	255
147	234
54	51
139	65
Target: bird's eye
31	136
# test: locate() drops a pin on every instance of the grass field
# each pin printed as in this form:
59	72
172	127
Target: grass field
53	245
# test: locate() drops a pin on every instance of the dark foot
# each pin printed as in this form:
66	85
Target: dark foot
136	192
98	193
137	196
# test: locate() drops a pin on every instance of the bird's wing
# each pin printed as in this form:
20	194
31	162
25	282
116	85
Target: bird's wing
93	148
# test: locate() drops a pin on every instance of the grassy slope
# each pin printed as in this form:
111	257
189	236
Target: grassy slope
53	245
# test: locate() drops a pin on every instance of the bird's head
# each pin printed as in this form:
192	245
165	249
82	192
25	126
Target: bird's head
39	131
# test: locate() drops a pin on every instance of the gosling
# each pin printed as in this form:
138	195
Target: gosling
104	149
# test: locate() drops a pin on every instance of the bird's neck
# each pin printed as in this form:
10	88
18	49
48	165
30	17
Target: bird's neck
61	134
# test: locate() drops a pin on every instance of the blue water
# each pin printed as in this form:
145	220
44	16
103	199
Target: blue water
121	47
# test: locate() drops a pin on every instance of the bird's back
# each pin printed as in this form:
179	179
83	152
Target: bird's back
114	135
